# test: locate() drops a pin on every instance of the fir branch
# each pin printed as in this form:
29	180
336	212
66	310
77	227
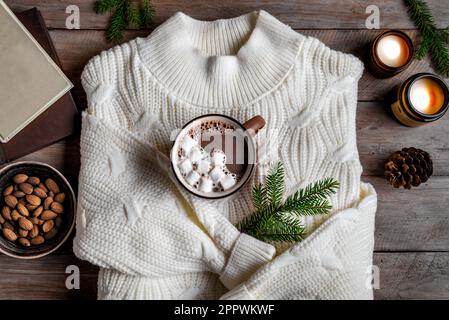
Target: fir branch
270	227
118	24
275	220
146	14
124	13
132	13
312	199
259	197
434	41
275	184
104	6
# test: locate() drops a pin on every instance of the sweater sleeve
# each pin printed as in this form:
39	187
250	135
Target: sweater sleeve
110	92
328	72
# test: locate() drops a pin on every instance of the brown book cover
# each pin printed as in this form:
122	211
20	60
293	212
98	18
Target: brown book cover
58	121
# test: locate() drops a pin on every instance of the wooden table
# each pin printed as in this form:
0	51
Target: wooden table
412	227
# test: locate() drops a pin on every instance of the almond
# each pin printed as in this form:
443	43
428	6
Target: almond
51	194
11	201
24	242
15	215
22	232
34	232
25	224
20	178
26	188
47	203
40	192
48	225
8	190
9	226
43	187
34	181
60	197
52	185
48	215
19	194
38	211
30	207
23	210
33	200
22	201
6	213
2	220
57	207
9	234
37	240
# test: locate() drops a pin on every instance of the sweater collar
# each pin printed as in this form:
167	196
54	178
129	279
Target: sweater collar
222	63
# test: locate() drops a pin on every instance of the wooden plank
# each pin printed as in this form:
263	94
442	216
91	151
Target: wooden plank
412	220
413	275
318	14
75	48
379	134
63	155
45	278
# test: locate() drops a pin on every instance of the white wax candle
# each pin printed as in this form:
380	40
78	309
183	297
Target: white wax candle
393	51
426	96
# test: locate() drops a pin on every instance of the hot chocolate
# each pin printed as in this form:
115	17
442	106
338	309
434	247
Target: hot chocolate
212	156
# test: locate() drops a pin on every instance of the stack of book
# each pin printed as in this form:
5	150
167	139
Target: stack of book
36	106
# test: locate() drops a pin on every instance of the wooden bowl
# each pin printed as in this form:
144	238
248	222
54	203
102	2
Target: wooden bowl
43	171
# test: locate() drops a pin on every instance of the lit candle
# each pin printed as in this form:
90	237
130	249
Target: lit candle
391	52
426	96
421	99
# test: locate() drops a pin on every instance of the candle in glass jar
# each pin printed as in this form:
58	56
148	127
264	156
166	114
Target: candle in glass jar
390	53
393	51
426	96
423	98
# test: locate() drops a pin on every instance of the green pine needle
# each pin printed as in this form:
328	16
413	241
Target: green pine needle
146	13
276	220
133	14
275	185
259	197
124	14
104	6
434	41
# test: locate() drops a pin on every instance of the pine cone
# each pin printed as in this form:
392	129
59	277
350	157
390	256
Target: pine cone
408	167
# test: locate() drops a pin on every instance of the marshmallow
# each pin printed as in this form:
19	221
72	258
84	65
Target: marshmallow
196	154
187	144
203	166
206	184
218	158
216	174
193	177
185	166
227	182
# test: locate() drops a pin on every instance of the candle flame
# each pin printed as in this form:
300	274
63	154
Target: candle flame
421	98
391	49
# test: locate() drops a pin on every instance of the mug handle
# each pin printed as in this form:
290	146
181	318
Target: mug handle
254	124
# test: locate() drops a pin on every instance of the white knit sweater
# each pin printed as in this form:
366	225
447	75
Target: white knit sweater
154	242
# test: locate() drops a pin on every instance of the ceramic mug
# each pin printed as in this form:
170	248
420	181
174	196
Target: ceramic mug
202	142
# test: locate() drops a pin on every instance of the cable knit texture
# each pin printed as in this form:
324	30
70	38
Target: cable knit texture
151	239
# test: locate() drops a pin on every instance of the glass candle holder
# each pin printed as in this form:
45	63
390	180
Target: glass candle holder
421	99
389	54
